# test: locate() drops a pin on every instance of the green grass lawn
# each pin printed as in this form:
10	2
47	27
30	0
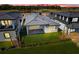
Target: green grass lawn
40	38
57	46
63	47
5	44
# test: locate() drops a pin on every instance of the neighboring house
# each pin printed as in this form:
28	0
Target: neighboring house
44	13
10	26
69	21
36	24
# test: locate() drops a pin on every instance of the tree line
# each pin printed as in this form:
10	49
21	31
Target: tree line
10	7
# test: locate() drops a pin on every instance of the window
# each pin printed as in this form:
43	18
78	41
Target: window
74	19
66	19
2	22
59	17
63	18
7	35
6	22
55	15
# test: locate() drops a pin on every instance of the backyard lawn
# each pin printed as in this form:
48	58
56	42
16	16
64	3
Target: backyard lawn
44	44
40	39
57	48
5	44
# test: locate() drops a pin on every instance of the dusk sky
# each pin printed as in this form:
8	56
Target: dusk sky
62	3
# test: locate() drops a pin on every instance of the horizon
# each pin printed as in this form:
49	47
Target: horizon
61	5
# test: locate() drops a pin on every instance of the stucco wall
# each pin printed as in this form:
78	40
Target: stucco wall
12	34
49	29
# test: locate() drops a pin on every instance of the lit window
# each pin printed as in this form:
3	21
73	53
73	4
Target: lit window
7	35
66	19
55	15
6	22
74	19
9	22
3	23
59	17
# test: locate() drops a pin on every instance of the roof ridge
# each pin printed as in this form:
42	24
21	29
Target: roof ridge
32	19
6	15
43	20
46	20
11	15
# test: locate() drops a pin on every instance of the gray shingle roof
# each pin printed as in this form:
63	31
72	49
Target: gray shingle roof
14	14
35	19
73	25
30	17
68	14
9	15
48	20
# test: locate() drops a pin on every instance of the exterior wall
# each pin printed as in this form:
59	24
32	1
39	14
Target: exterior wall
49	29
19	25
72	30
46	29
65	29
35	27
12	35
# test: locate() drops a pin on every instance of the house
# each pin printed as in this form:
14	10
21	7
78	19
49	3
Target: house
36	23
69	21
10	26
